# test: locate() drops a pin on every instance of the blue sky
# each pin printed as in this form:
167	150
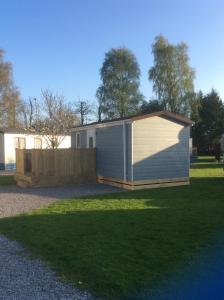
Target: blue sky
61	44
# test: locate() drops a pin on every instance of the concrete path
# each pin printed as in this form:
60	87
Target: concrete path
15	200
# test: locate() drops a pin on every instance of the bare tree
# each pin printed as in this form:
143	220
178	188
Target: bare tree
30	111
5	74
27	110
56	119
84	110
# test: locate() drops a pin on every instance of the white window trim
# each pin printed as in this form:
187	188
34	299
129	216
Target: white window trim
19	139
41	143
91	132
76	140
90	136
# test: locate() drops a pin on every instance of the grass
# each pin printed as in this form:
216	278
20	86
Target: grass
207	167
119	244
7	180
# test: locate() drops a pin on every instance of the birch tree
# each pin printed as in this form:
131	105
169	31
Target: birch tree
119	94
172	76
9	95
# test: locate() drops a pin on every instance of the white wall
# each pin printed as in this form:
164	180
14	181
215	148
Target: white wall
65	142
9	140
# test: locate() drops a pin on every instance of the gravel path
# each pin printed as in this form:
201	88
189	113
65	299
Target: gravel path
15	200
20	276
24	278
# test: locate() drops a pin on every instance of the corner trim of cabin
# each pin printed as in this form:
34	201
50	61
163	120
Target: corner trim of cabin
144	184
124	151
132	151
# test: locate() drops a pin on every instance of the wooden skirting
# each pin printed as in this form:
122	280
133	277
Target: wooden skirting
144	184
28	180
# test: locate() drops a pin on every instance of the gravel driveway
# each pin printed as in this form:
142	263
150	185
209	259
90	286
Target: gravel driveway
15	200
26	278
20	276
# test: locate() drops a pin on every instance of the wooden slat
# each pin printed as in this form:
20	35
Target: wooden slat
57	167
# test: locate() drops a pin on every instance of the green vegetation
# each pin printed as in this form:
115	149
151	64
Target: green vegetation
118	244
171	76
119	94
207	167
208	115
7	180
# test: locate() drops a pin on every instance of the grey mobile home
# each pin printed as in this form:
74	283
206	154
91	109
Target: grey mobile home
141	151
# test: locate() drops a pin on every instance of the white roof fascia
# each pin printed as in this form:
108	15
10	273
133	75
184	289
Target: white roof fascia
102	125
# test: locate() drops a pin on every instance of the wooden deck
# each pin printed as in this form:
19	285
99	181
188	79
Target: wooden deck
144	184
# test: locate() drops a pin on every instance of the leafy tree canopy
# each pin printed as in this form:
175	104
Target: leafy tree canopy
172	76
119	93
209	125
151	106
9	95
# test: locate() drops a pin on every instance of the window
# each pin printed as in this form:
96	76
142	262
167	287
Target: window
22	143
37	143
16	143
78	140
90	142
19	143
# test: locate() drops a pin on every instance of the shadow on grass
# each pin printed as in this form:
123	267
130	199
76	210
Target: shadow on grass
118	244
207	166
206	159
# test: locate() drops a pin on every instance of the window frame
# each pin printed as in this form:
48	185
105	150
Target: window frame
39	139
78	145
24	139
17	142
92	138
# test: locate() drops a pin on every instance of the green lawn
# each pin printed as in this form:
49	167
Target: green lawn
119	244
7	180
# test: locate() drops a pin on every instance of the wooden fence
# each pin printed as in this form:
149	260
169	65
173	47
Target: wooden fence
52	167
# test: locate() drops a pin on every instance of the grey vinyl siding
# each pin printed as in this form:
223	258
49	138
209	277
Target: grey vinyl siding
82	138
109	144
160	149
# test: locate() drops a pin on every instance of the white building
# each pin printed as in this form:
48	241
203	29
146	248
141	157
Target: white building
10	139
